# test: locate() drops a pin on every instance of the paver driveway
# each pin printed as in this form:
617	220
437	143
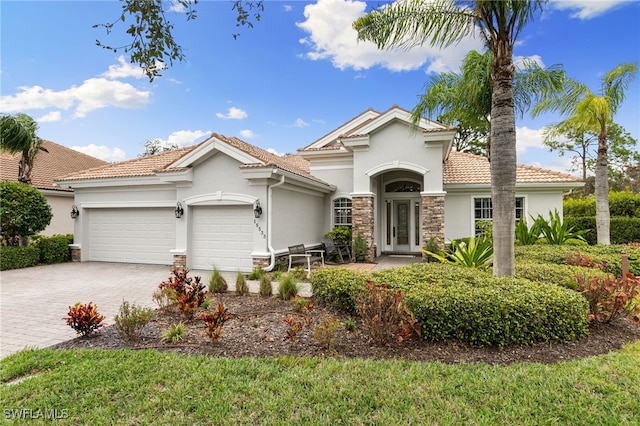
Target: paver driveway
34	300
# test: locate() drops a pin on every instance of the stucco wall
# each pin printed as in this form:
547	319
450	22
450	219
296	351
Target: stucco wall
61	222
298	218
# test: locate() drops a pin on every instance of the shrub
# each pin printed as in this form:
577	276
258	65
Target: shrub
242	288
24	212
338	286
13	257
215	320
340	235
174	333
296	323
266	289
349	324
476	253
301	304
385	315
84	319
562	275
54	249
131	319
217	283
432	246
325	333
288	287
525	235
257	273
623	204
558	232
609	297
298	273
189	292
359	248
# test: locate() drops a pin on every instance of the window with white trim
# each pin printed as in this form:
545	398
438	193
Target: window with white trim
342	212
482	211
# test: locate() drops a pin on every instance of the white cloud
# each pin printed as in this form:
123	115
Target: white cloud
233	114
518	60
185	137
587	9
123	70
92	94
102	152
300	123
247	134
528	138
50	117
288	8
331	36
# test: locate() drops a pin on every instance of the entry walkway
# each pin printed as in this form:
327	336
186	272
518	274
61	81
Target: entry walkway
34	300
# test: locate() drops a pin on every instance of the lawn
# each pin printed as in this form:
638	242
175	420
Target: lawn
153	387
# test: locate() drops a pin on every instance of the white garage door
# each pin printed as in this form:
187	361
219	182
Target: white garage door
141	235
222	236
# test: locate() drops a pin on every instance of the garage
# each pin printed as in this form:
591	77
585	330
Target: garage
141	235
222	236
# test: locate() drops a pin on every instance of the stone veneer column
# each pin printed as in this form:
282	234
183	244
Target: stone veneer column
76	252
362	222
180	261
433	218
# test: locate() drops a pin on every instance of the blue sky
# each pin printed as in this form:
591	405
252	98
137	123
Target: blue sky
297	75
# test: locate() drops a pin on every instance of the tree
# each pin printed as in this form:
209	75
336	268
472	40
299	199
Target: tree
24	212
581	146
593	112
19	135
443	23
156	146
153	45
464	99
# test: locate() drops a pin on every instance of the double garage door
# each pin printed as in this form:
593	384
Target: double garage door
220	236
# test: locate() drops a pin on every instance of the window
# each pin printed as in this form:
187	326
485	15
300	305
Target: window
403	186
482	210
342	212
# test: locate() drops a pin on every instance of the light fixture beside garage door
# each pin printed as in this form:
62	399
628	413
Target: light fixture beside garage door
257	210
179	210
74	212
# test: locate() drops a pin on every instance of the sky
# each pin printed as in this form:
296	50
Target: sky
296	76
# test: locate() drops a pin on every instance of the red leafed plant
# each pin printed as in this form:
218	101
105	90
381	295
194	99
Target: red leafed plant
386	316
579	259
296	323
189	292
84	319
215	320
609	298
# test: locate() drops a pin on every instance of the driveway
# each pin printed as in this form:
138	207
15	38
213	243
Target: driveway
34	300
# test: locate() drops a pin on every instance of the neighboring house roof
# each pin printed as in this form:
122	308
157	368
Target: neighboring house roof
48	166
465	168
163	162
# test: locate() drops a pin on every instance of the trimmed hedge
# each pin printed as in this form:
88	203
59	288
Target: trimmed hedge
54	249
474	307
12	257
623	230
611	254
624	204
562	275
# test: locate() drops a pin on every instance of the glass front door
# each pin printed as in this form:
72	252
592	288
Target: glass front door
402	221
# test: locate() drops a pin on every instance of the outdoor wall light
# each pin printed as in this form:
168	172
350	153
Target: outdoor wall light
179	211
74	212
257	210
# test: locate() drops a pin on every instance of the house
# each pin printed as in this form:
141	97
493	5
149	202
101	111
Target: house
232	205
55	162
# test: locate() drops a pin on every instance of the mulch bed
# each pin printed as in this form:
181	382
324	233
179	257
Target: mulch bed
258	330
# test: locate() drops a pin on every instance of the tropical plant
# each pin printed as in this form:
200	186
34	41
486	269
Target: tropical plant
174	333
558	232
84	318
242	288
359	247
525	235
24	212
593	112
446	22
18	135
476	253
217	283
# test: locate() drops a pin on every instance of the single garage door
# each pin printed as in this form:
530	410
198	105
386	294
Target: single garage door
141	235
222	236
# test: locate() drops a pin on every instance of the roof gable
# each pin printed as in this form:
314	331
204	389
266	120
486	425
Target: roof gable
56	162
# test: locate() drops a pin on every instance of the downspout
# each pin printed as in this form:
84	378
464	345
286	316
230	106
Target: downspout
270	223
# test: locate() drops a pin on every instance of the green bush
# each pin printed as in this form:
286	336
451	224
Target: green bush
340	235
54	249
623	230
12	257
623	204
287	287
340	287
131	319
24	211
562	275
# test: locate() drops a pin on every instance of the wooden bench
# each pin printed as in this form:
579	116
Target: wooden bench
299	255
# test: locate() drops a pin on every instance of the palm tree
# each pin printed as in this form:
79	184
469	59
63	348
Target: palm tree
442	23
464	99
19	135
590	112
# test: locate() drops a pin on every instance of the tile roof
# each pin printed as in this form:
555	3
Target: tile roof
159	163
48	166
467	168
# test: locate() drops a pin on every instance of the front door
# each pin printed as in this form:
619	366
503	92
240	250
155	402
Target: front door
402	220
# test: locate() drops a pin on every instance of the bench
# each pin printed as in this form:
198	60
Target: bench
299	255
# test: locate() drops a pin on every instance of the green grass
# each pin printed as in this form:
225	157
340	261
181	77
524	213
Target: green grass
149	387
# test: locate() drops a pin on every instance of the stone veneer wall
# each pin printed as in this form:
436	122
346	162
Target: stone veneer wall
180	261
433	218
362	222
